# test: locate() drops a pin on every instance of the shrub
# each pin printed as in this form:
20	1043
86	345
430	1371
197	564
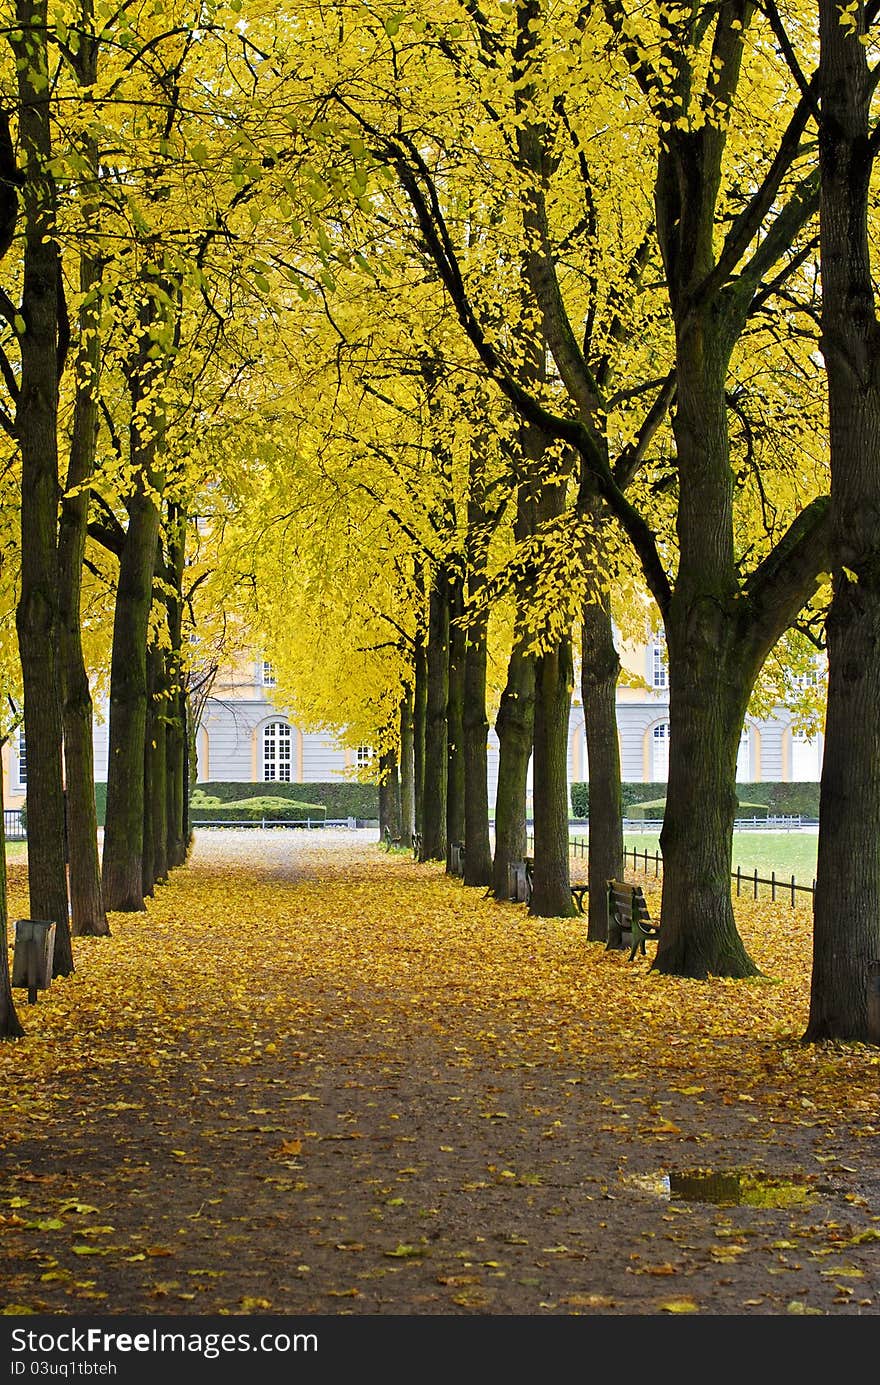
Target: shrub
779	799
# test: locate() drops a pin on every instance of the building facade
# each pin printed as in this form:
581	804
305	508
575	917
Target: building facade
246	737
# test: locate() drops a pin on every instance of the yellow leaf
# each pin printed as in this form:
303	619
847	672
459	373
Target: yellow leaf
290	1147
679	1305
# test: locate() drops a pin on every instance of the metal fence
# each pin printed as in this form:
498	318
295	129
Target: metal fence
651	863
788	823
13	825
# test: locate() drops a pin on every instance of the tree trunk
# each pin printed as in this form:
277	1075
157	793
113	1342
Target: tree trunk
407	768
846	937
155	775
551	886
708	685
455	774
124	827
389	796
36	423
175	730
514	726
148	876
123	864
436	732
10	1025
478	846
420	706
600	667
707	702
88	916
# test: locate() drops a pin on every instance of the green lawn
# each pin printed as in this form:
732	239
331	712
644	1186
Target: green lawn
787	853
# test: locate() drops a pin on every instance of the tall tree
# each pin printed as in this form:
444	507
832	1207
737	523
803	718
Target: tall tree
88	916
846	937
722	615
42	332
122	863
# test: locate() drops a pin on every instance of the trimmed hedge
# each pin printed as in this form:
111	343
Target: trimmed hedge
656	807
344	800
780	799
347	800
262	808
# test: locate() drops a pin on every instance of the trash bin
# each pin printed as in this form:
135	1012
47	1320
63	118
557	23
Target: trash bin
33	955
517	885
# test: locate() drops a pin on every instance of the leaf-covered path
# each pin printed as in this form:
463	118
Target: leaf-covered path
316	1078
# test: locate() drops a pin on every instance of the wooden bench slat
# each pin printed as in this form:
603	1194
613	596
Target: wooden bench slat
628	914
578	890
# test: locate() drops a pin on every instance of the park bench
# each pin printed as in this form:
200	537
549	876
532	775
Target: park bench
391	841
416	845
629	922
578	890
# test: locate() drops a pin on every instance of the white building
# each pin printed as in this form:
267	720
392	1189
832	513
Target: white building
246	737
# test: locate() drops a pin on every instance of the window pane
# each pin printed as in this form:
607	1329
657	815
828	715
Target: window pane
276	751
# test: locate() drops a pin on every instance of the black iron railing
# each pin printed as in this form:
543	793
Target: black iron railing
651	863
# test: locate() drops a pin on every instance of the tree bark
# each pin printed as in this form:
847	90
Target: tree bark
515	722
124	825
455	776
420	703
600	668
551	885
389	796
514	726
407	768
175	730
155	854
436	731
478	845
88	915
122	863
708	687
482	523
846	936
36	425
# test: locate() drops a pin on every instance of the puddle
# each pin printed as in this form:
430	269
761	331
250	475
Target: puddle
728	1188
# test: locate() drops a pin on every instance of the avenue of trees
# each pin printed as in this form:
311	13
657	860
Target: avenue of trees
427	351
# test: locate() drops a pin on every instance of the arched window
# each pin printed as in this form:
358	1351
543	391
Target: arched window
660	753
276	751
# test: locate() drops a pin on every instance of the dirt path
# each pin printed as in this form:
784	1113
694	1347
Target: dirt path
318	1079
